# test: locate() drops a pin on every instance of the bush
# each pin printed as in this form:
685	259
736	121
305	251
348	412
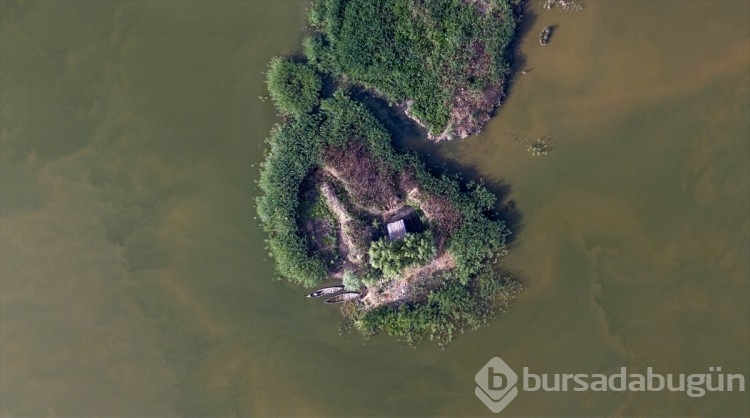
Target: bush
474	244
351	281
392	257
449	310
295	88
295	149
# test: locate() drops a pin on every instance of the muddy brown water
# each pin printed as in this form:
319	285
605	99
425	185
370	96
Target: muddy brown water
134	279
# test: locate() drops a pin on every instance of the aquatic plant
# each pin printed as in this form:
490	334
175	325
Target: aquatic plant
542	146
565	5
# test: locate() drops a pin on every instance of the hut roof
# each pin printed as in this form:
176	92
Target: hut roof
397	230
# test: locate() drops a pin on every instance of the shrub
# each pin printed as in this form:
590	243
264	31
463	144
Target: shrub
351	281
475	243
392	257
295	149
294	87
448	310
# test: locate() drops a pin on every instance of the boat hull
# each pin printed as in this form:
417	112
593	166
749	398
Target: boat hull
325	291
343	297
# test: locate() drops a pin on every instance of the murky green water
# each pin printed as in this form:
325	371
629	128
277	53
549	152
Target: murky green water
134	280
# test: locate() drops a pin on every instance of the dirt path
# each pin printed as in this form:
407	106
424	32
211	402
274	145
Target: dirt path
353	254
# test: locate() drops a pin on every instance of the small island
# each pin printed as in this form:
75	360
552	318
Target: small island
340	204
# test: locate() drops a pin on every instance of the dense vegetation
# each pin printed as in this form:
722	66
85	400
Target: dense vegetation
294	150
331	175
392	257
448	310
296	147
351	281
294	87
447	59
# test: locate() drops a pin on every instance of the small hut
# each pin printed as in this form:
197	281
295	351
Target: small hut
397	230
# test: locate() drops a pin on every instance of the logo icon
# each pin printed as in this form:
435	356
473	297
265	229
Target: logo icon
496	384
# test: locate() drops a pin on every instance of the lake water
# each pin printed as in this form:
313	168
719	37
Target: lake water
134	275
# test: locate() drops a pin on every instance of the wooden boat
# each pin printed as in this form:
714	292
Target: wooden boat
325	291
544	35
342	297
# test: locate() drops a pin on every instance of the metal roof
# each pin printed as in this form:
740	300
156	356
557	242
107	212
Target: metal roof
396	230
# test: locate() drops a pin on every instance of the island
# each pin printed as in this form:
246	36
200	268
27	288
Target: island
339	203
